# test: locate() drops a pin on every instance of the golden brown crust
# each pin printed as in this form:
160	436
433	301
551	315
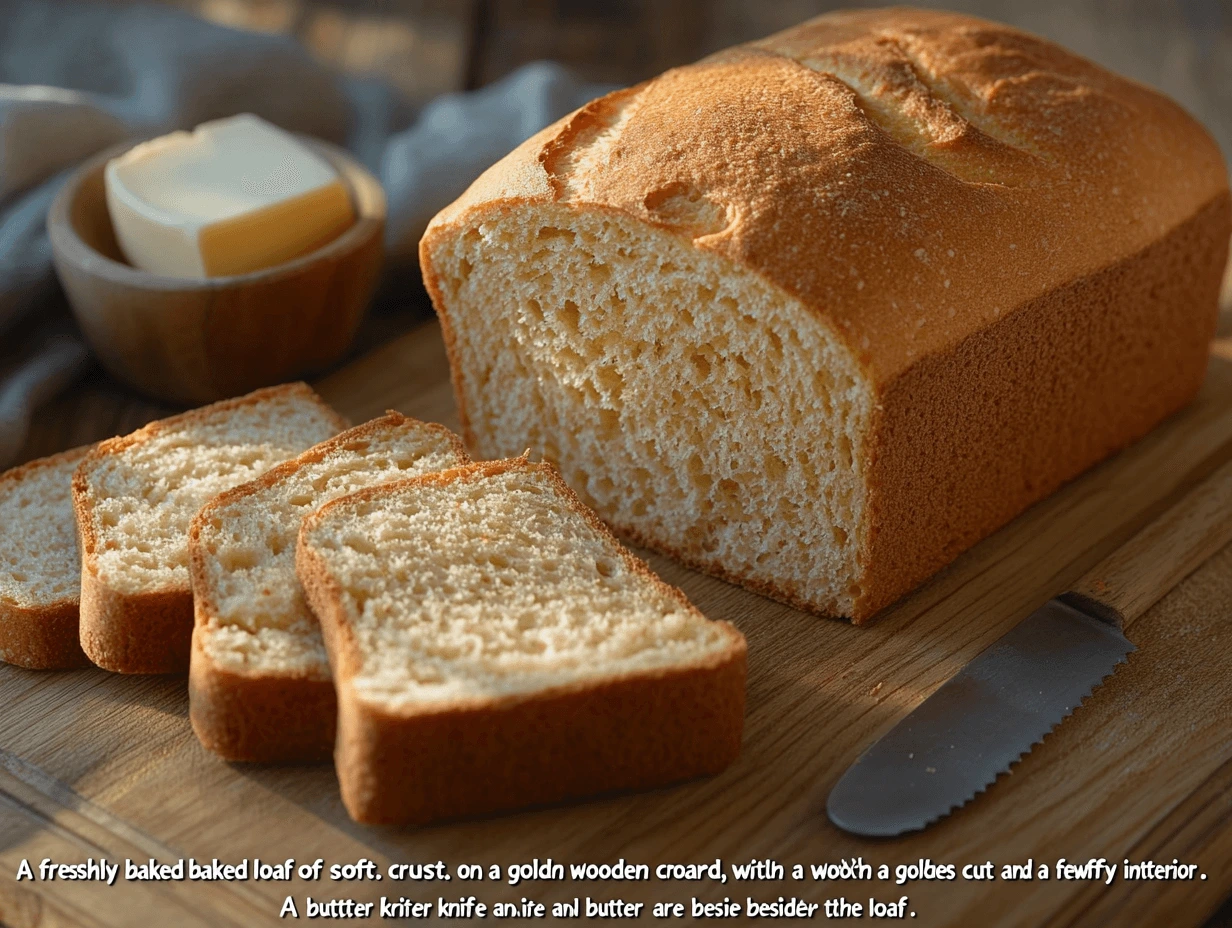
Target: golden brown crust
630	731
144	633
969	208
934	163
1031	402
267	717
43	637
148	632
628	734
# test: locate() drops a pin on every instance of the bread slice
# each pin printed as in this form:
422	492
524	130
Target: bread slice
820	312
135	496
40	568
259	683
493	646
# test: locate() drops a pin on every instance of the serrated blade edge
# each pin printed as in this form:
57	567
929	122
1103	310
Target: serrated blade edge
957	742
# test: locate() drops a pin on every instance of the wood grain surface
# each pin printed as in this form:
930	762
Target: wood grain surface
92	764
95	764
1139	573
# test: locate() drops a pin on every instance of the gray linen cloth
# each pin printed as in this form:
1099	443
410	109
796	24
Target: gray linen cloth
78	77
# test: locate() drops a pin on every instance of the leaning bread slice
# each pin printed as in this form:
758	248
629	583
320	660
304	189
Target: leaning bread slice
259	683
135	496
493	646
40	569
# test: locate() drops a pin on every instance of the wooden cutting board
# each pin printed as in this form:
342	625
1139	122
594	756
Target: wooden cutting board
93	764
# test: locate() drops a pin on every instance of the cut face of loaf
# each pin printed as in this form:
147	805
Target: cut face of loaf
135	497
40	568
259	682
690	403
818	313
493	646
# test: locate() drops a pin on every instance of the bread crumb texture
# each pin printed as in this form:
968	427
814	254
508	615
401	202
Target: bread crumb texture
819	312
720	424
141	492
39	562
252	618
469	589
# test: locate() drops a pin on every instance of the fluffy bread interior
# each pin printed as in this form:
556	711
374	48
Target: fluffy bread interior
143	497
490	582
39	560
697	408
256	619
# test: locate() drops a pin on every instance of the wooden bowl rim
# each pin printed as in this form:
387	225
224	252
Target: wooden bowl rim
365	190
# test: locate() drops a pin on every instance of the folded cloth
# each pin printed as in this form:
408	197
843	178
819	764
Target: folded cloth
78	77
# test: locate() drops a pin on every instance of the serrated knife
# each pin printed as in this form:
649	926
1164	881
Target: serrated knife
969	731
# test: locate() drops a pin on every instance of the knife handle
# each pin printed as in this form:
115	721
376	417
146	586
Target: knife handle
1133	578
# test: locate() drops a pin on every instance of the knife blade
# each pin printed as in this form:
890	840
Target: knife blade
955	744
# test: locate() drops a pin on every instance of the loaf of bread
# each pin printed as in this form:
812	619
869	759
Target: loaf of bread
493	646
819	312
259	685
134	499
40	569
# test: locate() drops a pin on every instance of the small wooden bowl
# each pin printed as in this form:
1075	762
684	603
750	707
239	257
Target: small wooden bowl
196	341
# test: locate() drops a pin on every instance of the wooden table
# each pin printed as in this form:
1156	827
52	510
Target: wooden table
92	764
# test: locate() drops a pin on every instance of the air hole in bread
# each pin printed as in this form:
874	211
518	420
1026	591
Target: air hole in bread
609	422
722	409
685	207
551	232
239	559
360	544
